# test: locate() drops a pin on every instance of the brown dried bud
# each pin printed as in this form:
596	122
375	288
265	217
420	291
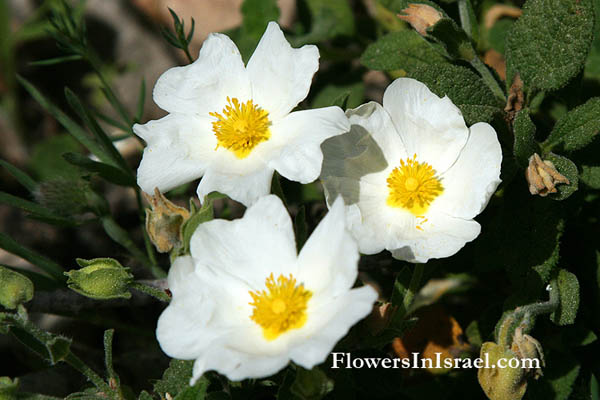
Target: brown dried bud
420	17
379	318
525	346
163	221
542	176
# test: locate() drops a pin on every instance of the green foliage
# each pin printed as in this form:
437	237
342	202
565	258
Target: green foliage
568	288
180	39
45	264
577	128
590	175
498	33
549	43
567	168
257	14
524	144
300	228
311	384
46	161
454	40
329	19
402	50
344	96
197	216
176	379
558	380
466	90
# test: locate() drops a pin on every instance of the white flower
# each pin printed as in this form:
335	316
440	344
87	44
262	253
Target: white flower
232	123
245	303
415	189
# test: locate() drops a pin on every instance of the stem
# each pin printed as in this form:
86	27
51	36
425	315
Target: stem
413	286
151	291
488	78
80	366
147	243
187	53
465	20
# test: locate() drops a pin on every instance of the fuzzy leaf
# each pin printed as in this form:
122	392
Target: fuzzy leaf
176	380
453	39
466	90
329	19
311	384
577	128
405	50
525	144
549	43
568	288
567	168
590	175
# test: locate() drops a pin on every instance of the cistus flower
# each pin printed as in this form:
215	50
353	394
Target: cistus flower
420	182
245	303
232	124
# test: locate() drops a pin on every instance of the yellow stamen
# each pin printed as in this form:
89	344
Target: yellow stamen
281	307
241	127
413	186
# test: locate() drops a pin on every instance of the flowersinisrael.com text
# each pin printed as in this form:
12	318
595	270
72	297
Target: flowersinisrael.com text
345	360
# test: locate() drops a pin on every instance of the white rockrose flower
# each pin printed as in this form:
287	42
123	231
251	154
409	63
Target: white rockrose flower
232	124
245	303
411	173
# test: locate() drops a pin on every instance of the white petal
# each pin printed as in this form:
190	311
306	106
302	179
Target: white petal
329	325
431	127
376	120
178	150
328	260
298	138
245	188
237	365
440	236
471	181
181	330
203	86
251	248
280	75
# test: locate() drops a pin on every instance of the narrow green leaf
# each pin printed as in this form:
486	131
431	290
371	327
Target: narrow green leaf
577	128
114	123
36	211
567	168
106	171
108	353
594	388
549	43
568	288
115	157
402	50
20	176
468	19
45	264
466	90
71	126
56	60
300	228
524	144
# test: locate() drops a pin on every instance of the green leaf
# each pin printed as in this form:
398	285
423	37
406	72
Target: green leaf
594	388
549	43
56	60
329	19
577	129
36	211
402	50
300	228
257	14
568	289
465	88
196	392
590	175
204	214
559	377
142	98
59	348
311	384
497	34
106	171
453	39
567	168
108	353
592	67
46	162
468	19
45	264
343	96
71	126
524	144
176	380
20	176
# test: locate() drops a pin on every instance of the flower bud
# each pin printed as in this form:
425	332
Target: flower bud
163	222
542	176
16	288
501	383
100	278
420	17
8	388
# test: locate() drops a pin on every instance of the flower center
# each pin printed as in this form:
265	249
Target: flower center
413	186
241	127
281	307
